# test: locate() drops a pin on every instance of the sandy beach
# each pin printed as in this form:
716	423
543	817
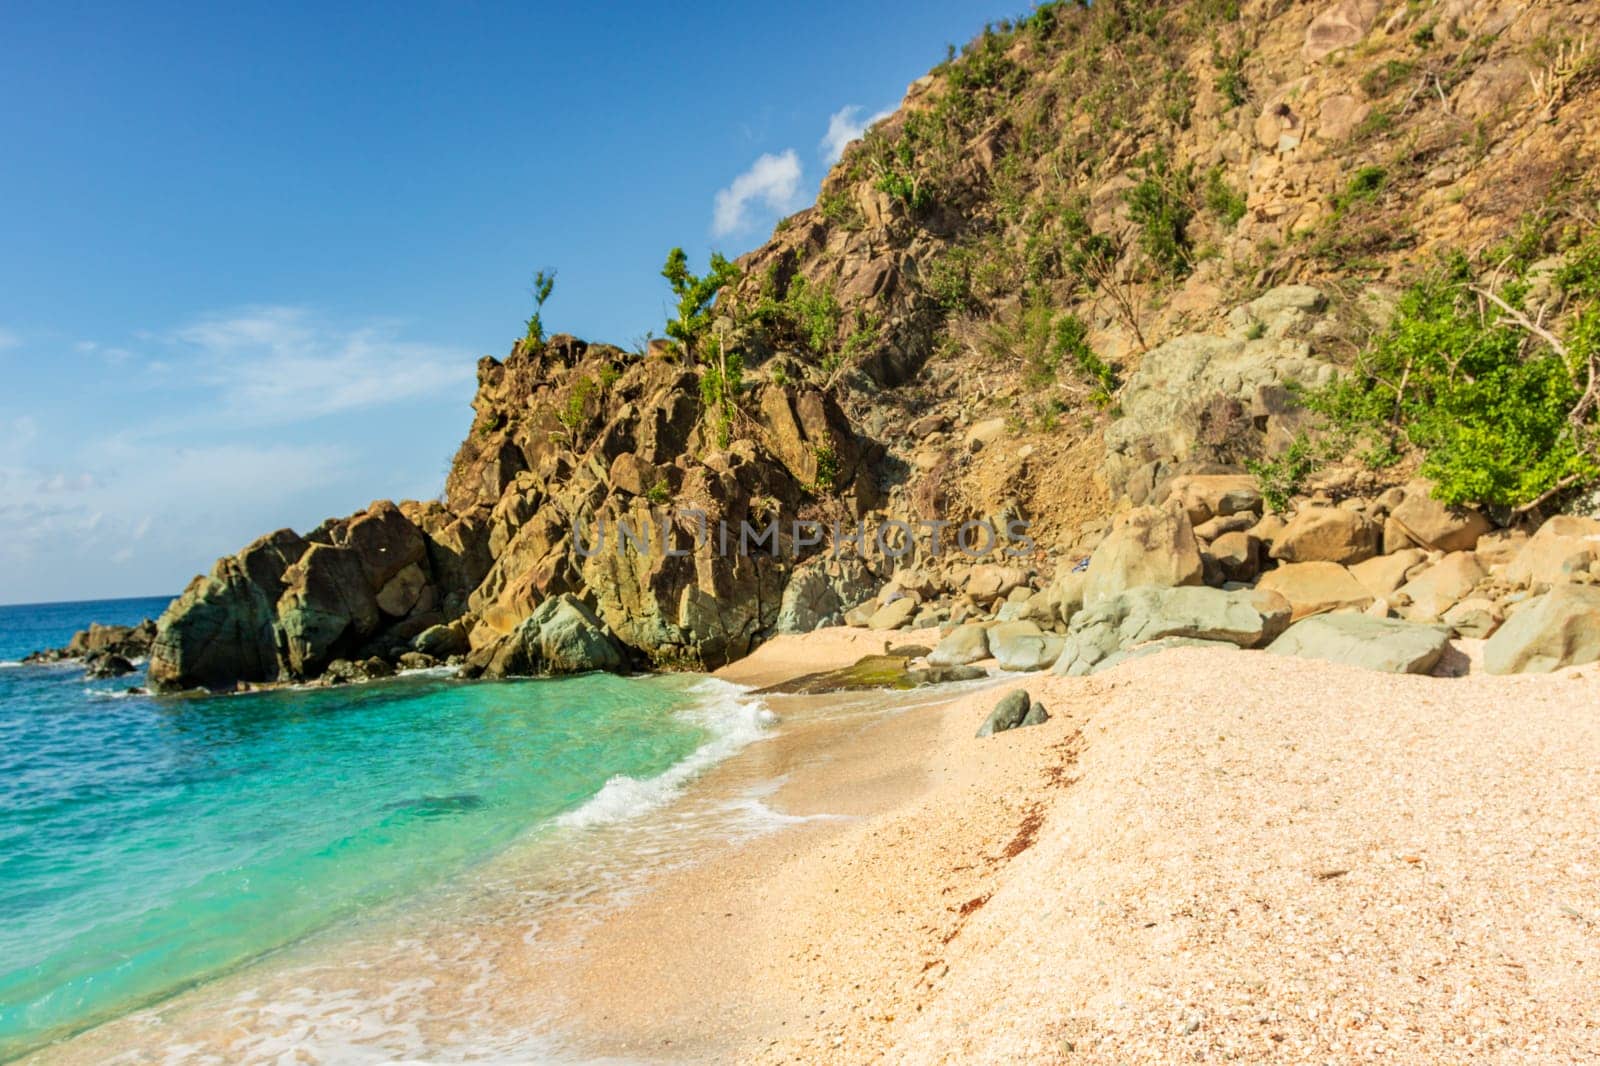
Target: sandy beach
1202	856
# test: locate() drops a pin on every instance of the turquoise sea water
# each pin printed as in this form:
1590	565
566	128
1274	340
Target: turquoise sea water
147	845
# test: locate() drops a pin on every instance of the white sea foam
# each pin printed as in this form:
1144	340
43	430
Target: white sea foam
735	720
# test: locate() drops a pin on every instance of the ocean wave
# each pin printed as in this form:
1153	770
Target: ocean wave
734	719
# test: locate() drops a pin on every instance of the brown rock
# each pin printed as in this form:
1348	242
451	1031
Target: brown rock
1437	588
1316	588
1238	555
1563	548
1383	574
1339	26
1207	496
1326	534
1148	546
1475	617
1434	526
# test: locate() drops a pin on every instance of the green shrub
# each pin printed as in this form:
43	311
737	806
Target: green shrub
807	314
543	284
1366	184
1222	199
1282	477
949	280
1490	404
1382	79
695	297
720	382
827	460
1161	205
573	413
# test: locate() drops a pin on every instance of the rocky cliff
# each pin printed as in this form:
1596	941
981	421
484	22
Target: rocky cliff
1096	250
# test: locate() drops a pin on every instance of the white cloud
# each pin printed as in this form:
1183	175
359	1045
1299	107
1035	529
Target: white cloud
165	508
843	127
286	364
8	339
773	180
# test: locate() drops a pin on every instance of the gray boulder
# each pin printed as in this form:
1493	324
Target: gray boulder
441	642
1023	646
1386	644
963	645
1091	639
561	636
1037	715
1559	629
1009	713
1247	618
820	591
1155	647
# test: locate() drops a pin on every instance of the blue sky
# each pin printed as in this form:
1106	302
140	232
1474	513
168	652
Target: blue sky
250	253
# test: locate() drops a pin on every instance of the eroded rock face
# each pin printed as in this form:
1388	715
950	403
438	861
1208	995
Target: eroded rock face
589	477
222	629
561	636
1160	402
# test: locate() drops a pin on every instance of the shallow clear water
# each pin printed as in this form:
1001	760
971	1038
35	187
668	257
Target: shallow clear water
147	845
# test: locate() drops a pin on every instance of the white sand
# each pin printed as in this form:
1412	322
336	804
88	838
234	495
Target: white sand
1205	856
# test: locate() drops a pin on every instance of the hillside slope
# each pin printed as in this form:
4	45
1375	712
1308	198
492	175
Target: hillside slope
1094	250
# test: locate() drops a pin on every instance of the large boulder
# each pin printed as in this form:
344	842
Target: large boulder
1009	713
1339	26
1559	629
327	607
561	636
1023	646
221	630
962	645
1316	588
1162	399
1091	641
1247	618
1207	496
990	581
1563	547
896	614
1237	556
1243	618
1431	593
1382	575
1435	526
1148	546
820	591
1385	644
1327	534
1156	647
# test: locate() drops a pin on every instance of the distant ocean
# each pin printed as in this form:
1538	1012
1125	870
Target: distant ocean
149	846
